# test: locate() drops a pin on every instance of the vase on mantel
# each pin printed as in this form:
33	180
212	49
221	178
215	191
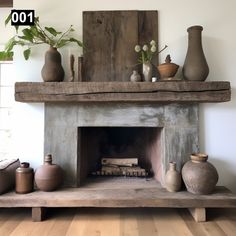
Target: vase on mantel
52	70
147	71
173	178
195	66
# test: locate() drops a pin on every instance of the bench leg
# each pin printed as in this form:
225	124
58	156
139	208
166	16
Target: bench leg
199	214
38	213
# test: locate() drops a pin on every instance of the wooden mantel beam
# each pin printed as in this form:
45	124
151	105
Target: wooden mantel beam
174	91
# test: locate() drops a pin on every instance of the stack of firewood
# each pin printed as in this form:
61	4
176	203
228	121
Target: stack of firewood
120	167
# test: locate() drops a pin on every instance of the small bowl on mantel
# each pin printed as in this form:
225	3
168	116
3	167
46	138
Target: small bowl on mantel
168	69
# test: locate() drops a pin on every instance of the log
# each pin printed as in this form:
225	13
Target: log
120	161
123	92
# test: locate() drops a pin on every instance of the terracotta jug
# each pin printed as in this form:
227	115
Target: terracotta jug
195	66
48	177
52	70
24	178
173	178
199	176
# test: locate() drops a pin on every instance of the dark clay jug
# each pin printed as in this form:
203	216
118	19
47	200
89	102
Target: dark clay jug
48	177
195	66
24	178
52	70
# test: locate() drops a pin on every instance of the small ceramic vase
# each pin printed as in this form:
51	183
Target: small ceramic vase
199	176
173	178
147	71
48	177
24	178
135	77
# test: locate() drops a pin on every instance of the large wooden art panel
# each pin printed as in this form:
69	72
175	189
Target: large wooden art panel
110	37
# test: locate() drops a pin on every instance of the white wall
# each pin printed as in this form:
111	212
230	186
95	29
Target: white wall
217	121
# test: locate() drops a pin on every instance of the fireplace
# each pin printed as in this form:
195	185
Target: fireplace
79	135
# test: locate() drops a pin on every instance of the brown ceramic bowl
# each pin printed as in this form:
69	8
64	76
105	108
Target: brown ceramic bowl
167	70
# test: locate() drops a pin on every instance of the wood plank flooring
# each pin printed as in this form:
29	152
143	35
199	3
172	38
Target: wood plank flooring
117	222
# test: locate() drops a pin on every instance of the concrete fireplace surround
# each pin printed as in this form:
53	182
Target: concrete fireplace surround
179	134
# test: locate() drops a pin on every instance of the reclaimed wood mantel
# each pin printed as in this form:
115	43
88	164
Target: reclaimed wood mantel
168	91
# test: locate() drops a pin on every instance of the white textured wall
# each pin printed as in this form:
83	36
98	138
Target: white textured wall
218	121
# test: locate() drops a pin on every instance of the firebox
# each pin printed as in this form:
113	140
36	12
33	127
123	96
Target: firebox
119	143
79	135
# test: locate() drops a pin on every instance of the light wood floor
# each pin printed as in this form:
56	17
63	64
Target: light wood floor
117	222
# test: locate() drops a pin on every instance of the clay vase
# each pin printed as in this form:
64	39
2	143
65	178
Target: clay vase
48	177
195	66
199	176
147	71
24	178
173	178
135	77
52	70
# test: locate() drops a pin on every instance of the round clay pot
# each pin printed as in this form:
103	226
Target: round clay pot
199	176
24	178
52	70
173	178
167	69
48	177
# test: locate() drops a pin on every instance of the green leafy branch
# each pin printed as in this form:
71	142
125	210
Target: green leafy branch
35	35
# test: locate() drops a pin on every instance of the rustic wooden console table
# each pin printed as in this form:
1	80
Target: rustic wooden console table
120	193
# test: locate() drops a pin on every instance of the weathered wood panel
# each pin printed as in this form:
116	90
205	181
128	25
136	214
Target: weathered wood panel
148	29
110	37
110	193
123	92
6	3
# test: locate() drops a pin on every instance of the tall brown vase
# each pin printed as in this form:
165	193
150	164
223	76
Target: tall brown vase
52	70
195	66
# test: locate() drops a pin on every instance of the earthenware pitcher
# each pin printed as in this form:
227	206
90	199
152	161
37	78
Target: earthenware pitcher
173	178
48	177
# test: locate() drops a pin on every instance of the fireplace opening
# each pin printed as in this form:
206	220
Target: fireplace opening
119	151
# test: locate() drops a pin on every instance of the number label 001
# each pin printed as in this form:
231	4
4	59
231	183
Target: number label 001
22	17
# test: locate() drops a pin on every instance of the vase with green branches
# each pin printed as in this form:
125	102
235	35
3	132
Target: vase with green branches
36	34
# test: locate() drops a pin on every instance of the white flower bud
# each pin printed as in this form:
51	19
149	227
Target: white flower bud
137	48
153	43
145	47
153	48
